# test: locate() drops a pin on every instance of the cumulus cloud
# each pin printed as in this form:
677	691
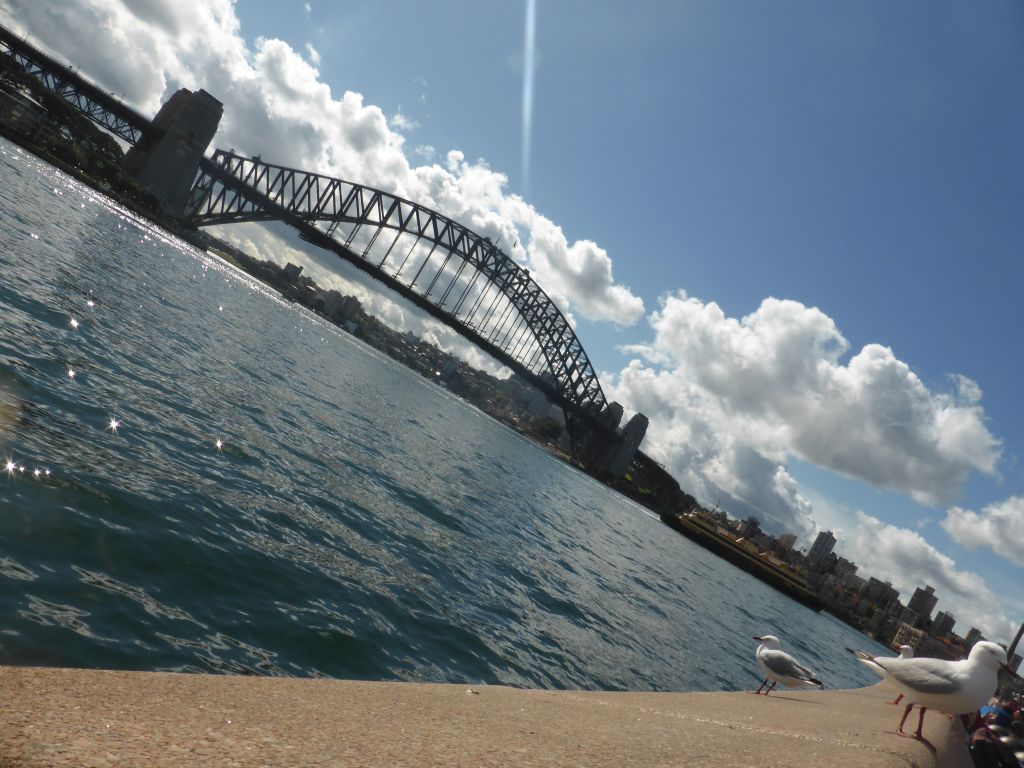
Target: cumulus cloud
999	527
732	399
904	558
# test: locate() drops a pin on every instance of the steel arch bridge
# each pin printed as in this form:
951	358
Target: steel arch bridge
454	274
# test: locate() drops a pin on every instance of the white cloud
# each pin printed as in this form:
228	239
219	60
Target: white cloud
401	123
999	527
314	54
426	151
731	400
277	105
904	558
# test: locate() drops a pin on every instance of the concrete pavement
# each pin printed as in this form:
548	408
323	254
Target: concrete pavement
65	717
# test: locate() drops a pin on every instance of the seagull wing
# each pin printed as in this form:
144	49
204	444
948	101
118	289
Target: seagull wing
784	665
922	674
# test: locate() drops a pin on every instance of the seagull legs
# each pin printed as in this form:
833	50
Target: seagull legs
897	700
761	687
899	729
920	721
770	689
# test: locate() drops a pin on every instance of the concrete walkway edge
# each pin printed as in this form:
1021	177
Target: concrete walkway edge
76	717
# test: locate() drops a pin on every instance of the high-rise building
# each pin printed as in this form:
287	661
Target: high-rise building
786	541
943	624
880	592
822	547
973	636
923	602
846	574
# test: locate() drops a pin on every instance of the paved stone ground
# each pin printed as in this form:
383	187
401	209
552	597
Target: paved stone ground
64	717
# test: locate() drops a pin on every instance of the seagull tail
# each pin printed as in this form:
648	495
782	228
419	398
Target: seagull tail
862	655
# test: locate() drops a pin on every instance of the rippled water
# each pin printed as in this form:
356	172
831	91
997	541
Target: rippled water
356	521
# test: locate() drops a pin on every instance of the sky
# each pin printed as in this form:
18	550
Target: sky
789	233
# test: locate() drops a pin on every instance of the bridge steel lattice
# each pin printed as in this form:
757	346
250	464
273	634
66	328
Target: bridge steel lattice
455	275
104	109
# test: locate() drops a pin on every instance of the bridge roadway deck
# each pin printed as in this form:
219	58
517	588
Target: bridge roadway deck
64	717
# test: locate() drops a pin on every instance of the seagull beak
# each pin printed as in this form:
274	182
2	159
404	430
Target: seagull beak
758	638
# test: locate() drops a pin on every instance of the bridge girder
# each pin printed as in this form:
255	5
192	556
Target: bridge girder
350	218
96	104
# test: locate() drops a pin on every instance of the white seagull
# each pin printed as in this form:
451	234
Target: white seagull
779	667
953	687
906	652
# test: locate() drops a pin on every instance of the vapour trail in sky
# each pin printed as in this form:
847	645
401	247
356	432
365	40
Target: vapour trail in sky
528	69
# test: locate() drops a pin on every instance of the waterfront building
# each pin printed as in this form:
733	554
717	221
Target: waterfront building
1015	662
332	300
880	592
750	528
923	602
786	542
25	115
943	624
909	616
845	572
291	272
821	548
973	636
922	643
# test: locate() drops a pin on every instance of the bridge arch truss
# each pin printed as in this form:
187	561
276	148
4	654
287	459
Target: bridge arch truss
454	274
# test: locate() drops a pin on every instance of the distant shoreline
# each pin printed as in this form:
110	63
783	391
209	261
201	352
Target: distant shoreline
764	571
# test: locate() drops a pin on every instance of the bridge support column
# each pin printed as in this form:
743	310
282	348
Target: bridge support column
601	446
167	158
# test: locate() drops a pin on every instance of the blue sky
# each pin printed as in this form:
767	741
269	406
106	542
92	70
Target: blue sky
859	163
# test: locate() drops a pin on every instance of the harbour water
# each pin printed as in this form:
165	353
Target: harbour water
355	521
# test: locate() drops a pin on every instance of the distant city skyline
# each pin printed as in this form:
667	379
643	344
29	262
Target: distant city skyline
819	315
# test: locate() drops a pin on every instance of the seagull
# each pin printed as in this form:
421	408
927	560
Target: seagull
906	652
953	687
779	667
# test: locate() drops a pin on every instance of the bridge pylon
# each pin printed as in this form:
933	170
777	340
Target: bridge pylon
166	160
